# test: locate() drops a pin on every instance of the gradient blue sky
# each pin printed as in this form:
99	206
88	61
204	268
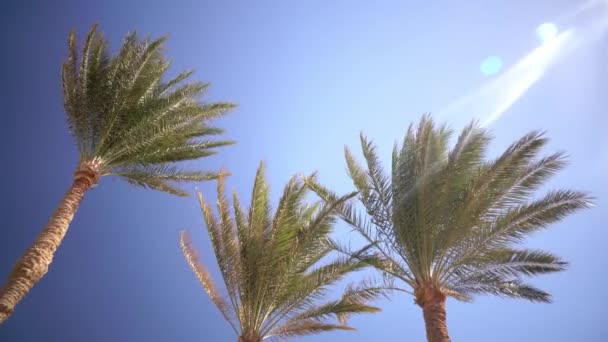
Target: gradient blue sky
308	76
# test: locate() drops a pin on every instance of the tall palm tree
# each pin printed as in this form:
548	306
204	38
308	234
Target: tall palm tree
128	121
270	264
447	221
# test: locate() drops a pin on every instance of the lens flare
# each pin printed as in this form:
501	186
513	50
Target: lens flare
491	66
546	32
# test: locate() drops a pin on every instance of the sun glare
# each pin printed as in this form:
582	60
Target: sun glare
587	24
546	32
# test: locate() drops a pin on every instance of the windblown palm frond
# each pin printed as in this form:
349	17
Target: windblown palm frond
129	120
270	264
449	219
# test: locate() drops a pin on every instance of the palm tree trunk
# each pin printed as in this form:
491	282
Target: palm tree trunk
254	338
432	302
34	264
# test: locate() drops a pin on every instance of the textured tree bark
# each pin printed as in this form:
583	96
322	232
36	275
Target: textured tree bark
35	262
432	302
250	339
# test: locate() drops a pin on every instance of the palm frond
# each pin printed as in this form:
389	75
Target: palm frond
161	177
499	286
513	263
205	279
520	221
305	327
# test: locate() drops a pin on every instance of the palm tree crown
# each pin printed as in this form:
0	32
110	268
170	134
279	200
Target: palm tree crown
446	221
268	264
129	121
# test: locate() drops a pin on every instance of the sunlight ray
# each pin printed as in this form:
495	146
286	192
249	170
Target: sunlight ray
490	101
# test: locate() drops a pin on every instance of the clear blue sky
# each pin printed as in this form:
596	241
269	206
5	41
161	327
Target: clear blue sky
308	76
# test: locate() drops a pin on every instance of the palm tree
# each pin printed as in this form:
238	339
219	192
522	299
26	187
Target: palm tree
447	222
268	263
126	121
